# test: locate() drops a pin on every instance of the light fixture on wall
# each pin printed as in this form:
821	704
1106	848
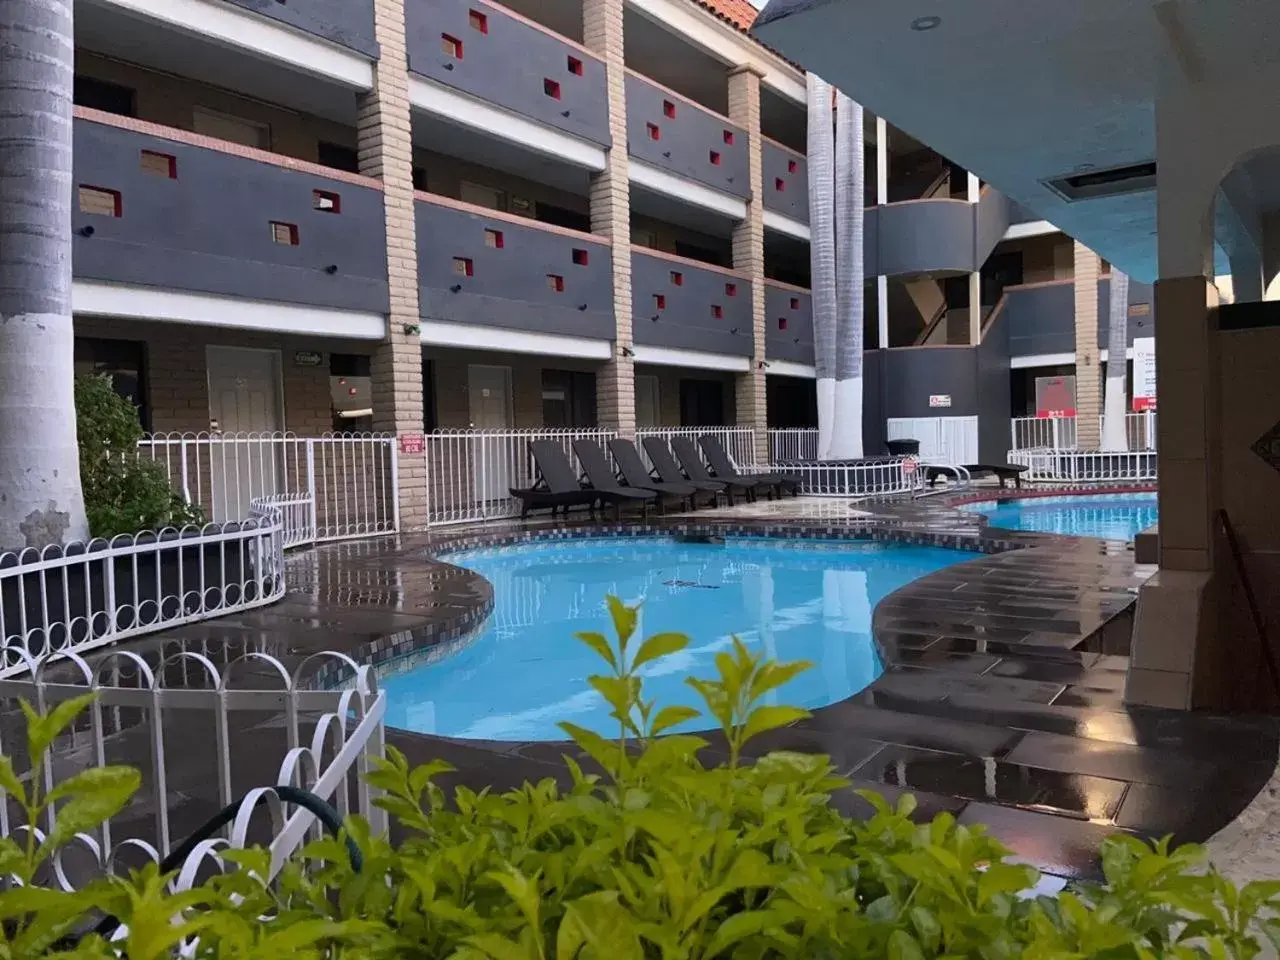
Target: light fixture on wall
86	231
331	269
411	329
455	288
582	306
628	352
924	24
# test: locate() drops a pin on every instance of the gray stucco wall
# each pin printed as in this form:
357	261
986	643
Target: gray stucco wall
795	342
787	170
209	230
1041	318
994	210
687	140
873	401
509	65
348	23
995	402
923	236
509	287
687	321
914	373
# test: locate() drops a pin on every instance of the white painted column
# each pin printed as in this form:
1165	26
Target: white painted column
975	279
882	197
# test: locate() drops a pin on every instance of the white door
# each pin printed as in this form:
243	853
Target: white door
495	458
244	417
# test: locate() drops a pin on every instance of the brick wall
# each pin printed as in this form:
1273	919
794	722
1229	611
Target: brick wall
1088	366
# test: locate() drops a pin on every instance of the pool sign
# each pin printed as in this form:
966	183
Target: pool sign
939	399
412	443
1055	397
1144	373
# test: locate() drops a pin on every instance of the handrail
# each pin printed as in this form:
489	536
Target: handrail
938	316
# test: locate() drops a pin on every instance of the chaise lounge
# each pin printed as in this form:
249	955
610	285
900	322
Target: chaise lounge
686	452
633	473
595	463
668	471
559	488
723	469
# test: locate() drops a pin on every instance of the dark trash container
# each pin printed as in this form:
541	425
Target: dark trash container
904	448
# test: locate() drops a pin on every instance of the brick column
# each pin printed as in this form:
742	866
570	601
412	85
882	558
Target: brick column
1088	374
611	217
748	257
384	135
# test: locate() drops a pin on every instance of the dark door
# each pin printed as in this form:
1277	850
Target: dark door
701	403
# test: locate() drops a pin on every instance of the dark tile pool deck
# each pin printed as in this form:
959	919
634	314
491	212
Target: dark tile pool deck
1001	700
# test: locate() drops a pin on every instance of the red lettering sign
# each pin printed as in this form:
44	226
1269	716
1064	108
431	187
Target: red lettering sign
412	443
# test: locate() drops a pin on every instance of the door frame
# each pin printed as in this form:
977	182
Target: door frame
278	392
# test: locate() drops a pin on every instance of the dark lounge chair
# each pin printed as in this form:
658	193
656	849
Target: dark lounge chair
1002	472
632	470
595	463
558	486
686	452
724	469
668	471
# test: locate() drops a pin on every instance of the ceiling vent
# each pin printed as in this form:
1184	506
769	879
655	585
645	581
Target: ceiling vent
1090	184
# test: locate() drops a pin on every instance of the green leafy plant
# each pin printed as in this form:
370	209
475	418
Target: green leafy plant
656	845
123	493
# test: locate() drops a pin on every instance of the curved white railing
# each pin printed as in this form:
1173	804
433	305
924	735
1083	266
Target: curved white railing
328	740
1087	466
295	512
858	479
78	597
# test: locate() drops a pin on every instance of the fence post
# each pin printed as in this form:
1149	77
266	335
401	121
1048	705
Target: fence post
186	488
395	481
311	487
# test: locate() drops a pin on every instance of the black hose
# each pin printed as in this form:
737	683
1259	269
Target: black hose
322	810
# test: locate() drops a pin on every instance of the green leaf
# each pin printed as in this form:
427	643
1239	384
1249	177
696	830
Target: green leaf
927	928
762	719
669	717
624	620
659	645
43	730
600	922
499	947
9	781
598	643
602	751
92	796
737	928
902	946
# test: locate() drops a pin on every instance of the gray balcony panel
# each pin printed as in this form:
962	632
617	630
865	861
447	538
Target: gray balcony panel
208	227
1041	317
686	316
348	23
924	236
786	182
520	277
510	63
788	324
693	143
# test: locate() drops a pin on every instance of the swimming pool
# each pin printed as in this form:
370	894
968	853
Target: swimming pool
524	671
1108	516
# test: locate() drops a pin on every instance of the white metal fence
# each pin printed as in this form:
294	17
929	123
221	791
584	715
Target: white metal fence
793	443
868	479
470	473
350	479
78	597
145	712
1059	433
1086	466
942	439
738	442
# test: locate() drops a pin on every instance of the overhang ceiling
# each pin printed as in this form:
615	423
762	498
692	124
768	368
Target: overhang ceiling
1024	92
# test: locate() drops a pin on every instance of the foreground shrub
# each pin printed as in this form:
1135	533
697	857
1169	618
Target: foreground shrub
123	494
648	851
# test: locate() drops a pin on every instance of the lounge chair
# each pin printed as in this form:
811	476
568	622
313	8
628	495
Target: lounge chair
724	469
686	452
668	471
634	474
1002	472
595	463
558	486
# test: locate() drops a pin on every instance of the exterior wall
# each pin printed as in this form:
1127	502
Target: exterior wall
450	379
687	141
934	236
208	229
687	318
666	235
1040	316
913	374
445	175
510	63
169	100
995	399
1088	372
512	285
669	379
177	372
1044	258
785	181
348	23
795	305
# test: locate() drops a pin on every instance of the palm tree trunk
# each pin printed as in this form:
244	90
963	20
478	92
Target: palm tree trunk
850	168
1114	434
41	501
822	252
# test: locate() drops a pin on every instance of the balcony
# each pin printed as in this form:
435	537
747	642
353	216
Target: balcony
165	208
786	181
683	304
481	267
788	319
934	236
490	52
348	23
1040	317
684	138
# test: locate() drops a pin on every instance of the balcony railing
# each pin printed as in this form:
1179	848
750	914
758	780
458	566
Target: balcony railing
687	305
788	323
348	23
675	134
1041	316
162	207
480	266
786	181
484	49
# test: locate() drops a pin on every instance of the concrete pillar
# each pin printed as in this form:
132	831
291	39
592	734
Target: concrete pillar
1088	371
882	197
975	278
748	257
610	200
384	137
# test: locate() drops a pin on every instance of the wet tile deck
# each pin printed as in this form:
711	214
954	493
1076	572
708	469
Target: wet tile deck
1001	700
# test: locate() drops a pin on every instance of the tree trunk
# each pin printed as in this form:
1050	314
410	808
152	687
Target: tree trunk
1114	434
40	498
846	440
822	252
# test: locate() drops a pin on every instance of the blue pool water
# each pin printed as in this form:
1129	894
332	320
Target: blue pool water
1119	516
525	671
